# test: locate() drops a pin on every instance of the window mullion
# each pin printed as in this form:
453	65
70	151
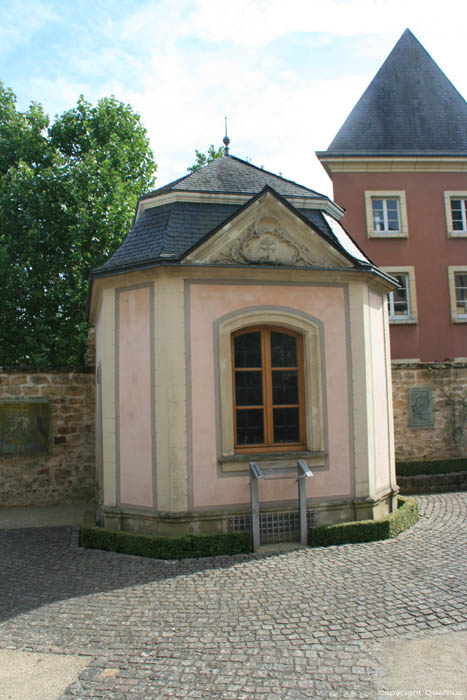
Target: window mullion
267	388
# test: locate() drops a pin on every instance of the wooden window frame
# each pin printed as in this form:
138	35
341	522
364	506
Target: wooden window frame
268	406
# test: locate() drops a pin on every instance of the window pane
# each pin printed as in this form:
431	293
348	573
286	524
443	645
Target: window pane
398	305
283	350
250	430
458	214
248	350
286	425
378	215
393	214
461	292
248	388
284	387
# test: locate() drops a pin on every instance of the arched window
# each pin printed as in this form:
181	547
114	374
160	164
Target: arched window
268	389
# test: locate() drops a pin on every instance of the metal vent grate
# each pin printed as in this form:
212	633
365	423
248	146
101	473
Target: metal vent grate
274	527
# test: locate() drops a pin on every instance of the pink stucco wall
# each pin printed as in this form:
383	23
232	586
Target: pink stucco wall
381	417
134	397
210	302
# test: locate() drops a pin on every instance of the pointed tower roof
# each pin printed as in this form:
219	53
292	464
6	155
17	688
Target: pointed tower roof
409	108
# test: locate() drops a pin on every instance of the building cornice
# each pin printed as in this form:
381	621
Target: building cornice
392	163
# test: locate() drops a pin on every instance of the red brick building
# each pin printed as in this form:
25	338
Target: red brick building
399	167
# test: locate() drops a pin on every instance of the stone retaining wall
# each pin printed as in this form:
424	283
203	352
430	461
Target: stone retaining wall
433	483
448	435
67	473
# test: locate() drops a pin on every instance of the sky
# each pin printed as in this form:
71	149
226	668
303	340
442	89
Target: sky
286	73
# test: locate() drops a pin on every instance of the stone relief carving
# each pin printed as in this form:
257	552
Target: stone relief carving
266	242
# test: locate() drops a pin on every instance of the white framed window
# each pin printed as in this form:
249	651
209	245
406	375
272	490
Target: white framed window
457	277
386	214
456	213
402	302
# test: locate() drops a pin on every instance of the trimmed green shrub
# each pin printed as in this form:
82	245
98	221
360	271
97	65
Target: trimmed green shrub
188	546
431	466
366	530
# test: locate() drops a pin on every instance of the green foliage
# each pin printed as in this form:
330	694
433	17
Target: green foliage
431	466
366	530
188	546
67	197
203	159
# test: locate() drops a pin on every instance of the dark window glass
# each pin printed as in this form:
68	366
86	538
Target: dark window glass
286	425
250	428
248	350
284	387
283	350
249	388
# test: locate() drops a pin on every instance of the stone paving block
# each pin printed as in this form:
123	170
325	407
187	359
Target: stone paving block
304	624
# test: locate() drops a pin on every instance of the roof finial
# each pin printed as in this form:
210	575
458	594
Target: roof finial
226	139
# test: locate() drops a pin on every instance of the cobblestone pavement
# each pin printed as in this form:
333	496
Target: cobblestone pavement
302	624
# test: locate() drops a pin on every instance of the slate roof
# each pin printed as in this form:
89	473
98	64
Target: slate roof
229	174
410	107
167	231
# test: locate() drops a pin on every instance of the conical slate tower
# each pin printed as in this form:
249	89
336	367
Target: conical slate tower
410	106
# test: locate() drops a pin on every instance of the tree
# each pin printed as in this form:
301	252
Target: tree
67	197
203	159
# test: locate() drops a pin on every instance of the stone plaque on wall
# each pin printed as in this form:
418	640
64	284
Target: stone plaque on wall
24	427
420	401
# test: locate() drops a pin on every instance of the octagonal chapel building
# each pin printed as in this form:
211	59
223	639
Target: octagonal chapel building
239	323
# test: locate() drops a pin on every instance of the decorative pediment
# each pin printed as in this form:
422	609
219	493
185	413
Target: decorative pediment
266	242
267	233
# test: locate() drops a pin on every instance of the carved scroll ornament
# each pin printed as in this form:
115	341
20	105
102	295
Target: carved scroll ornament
266	243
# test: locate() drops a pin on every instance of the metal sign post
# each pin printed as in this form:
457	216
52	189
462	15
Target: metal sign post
303	474
255	475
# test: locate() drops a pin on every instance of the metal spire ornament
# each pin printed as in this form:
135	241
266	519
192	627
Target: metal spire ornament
226	140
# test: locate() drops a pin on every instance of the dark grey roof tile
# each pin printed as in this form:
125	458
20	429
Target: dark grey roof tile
409	107
229	174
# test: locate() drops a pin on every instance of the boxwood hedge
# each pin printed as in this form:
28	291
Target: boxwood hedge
431	466
157	547
366	530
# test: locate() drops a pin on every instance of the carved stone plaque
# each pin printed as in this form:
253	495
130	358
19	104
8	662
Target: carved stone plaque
24	428
266	242
420	400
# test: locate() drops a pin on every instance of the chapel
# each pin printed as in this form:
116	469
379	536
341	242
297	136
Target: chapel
241	334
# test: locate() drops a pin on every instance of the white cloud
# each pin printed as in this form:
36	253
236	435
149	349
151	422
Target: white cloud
275	69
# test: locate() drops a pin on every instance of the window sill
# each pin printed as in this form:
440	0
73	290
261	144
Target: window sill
403	321
388	234
273	460
457	234
459	319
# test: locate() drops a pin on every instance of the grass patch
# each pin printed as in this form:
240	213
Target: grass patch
431	466
188	546
366	530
